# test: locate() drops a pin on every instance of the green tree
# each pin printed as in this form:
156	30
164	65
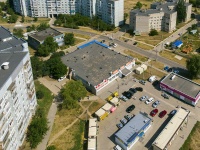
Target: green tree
52	147
57	54
56	68
42	26
71	93
31	28
193	66
35	19
181	11
22	19
125	17
138	5
69	39
39	94
153	32
18	32
12	18
37	67
37	128
49	46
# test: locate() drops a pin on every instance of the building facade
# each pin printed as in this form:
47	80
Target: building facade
110	11
181	88
160	16
17	91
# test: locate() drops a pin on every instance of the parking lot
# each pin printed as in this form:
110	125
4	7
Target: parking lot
107	127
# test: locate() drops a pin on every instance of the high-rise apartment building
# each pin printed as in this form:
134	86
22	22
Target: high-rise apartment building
17	91
110	11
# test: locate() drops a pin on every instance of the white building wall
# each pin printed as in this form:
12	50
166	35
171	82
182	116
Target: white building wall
18	104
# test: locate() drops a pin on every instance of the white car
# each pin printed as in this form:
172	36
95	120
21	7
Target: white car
117	147
61	78
149	100
114	45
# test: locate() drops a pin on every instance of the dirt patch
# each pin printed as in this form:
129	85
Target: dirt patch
136	55
156	64
96	105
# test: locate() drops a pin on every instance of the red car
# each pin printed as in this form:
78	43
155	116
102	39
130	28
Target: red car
154	112
162	113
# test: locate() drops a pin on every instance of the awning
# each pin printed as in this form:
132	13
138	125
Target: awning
126	71
141	134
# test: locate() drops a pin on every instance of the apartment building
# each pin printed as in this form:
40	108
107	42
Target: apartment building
17	91
110	11
160	16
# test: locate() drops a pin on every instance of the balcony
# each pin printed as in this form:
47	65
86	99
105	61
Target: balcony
12	86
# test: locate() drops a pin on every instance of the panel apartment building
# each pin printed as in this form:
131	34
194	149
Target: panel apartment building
110	11
17	91
160	16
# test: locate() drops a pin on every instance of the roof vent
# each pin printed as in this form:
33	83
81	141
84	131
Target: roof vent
5	65
172	78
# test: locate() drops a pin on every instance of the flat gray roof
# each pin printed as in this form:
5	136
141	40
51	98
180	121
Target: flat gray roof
182	84
4	33
132	128
93	62
10	51
42	35
145	12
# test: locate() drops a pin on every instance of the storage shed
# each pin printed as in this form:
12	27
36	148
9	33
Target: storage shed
144	67
107	107
115	101
139	70
101	114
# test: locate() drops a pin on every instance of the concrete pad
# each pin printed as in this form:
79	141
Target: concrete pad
178	57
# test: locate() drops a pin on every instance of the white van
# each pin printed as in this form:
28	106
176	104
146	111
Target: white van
152	78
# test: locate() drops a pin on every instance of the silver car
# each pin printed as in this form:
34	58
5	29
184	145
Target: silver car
143	98
155	104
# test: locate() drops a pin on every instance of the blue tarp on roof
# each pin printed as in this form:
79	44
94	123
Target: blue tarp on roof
92	42
177	43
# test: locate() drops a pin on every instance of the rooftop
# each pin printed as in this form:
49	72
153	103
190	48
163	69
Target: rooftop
94	61
182	84
132	128
42	35
170	129
11	51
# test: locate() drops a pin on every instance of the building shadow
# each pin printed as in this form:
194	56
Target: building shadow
152	139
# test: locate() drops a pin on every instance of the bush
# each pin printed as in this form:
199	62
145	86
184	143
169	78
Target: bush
153	32
52	147
39	94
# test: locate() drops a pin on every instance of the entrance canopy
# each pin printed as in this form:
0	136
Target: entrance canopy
126	71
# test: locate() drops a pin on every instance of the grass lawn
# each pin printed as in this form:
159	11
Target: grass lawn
144	46
95	106
88	29
171	56
136	55
156	64
46	101
31	51
77	41
72	139
148	73
80	35
63	118
193	141
86	103
197	81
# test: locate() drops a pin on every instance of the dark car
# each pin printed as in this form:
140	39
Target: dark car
142	82
132	90
170	70
126	40
155	83
176	71
165	95
166	68
154	112
139	89
135	43
128	94
128	117
130	108
102	41
119	125
162	113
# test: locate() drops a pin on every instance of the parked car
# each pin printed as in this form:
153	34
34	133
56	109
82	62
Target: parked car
144	98
61	78
152	79
154	112
170	70
119	125
155	83
155	104
127	94
126	40
166	68
165	95
132	90
124	98
162	113
142	82
149	100
139	89
123	121
173	112
114	45
128	117
130	108
117	147
135	43
176	71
